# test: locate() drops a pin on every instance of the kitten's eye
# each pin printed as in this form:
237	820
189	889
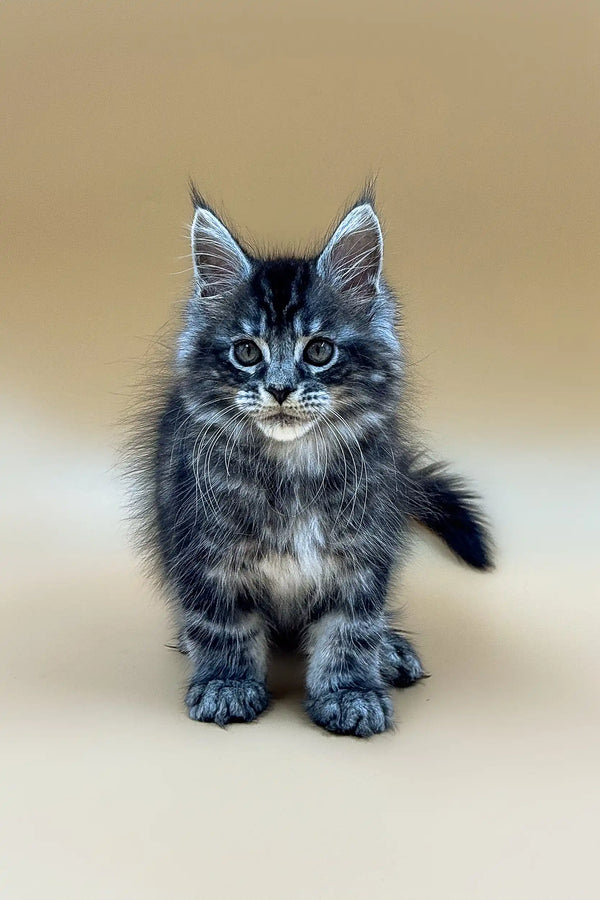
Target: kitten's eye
247	353
318	352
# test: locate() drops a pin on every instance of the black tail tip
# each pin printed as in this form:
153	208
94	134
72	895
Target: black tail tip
452	512
471	542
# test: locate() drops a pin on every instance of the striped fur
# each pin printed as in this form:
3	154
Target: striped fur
274	518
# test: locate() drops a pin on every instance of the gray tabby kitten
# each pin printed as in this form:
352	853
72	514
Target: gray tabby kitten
283	480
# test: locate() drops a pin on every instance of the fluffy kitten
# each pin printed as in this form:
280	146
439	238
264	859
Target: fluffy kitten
283	480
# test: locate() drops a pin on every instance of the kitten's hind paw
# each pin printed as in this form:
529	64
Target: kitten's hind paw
361	713
226	701
400	663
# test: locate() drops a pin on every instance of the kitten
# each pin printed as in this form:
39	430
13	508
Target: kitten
284	480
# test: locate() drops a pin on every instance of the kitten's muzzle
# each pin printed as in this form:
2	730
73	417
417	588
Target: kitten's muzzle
284	417
279	391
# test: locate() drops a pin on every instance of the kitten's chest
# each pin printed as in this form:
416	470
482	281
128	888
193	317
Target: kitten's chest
293	563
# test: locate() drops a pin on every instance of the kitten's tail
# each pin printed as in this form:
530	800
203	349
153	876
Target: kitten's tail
445	505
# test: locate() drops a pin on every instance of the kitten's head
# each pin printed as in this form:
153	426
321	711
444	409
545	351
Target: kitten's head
284	345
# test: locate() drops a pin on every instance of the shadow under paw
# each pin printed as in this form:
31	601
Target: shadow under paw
361	713
222	701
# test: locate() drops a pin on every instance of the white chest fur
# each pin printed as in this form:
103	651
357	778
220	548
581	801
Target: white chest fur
291	575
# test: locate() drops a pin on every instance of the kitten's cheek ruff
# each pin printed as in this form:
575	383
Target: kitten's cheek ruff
283	433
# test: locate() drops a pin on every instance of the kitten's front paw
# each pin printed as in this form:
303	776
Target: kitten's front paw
226	701
401	665
361	713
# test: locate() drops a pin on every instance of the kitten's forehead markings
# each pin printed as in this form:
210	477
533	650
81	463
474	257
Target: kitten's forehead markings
297	324
295	299
263	323
266	286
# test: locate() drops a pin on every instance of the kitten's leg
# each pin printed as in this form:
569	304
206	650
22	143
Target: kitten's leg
346	690
230	660
400	663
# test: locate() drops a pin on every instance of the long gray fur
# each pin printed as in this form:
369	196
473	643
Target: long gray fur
279	496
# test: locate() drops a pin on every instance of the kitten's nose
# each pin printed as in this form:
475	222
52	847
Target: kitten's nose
279	392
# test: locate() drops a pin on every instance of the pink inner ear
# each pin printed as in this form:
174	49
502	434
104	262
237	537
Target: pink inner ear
219	262
352	259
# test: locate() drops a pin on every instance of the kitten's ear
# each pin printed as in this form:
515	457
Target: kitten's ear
352	259
220	264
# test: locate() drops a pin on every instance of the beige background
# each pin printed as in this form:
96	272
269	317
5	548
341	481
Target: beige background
482	120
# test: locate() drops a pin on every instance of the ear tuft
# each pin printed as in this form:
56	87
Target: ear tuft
352	259
220	264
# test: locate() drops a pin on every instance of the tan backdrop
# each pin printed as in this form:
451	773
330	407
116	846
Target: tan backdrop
481	120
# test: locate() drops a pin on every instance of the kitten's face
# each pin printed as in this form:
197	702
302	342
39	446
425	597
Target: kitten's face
283	369
284	345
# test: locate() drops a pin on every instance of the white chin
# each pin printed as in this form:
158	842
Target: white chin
284	432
